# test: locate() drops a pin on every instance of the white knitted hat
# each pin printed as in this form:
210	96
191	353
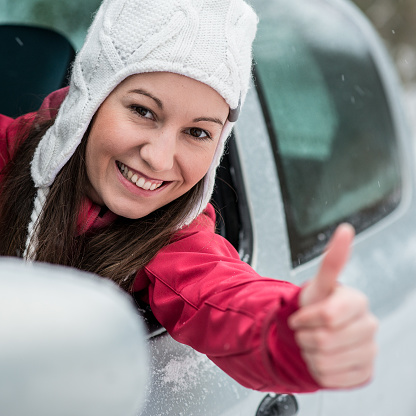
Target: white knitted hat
207	40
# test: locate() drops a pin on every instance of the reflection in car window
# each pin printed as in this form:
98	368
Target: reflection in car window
329	121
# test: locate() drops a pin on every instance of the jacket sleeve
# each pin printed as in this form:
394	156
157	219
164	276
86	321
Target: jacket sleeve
14	130
4	153
206	297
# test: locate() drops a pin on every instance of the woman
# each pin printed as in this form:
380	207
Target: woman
118	182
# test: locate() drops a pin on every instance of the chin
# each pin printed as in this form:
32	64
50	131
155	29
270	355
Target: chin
128	213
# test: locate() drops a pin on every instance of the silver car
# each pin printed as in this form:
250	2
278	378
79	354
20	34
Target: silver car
322	139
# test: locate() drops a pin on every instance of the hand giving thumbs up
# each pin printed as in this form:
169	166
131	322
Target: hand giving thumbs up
333	326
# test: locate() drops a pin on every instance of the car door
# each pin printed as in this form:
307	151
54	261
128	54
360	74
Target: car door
324	116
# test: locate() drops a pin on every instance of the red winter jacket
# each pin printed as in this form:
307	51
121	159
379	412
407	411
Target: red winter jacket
205	296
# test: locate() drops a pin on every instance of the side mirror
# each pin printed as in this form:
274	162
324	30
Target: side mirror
70	344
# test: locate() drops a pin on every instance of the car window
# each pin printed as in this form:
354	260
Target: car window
70	18
329	122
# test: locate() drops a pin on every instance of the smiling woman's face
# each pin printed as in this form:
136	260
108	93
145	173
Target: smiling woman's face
151	141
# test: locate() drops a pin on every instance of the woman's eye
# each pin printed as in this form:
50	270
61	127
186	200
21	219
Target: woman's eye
142	111
199	133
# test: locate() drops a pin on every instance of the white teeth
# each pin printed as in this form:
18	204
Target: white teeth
138	181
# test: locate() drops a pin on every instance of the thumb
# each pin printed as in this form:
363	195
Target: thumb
335	258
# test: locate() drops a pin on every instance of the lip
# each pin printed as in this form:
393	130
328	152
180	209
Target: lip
131	187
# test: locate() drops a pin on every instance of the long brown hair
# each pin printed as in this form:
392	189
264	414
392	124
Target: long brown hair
117	251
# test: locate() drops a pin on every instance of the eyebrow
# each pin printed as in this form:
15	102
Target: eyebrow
211	119
147	94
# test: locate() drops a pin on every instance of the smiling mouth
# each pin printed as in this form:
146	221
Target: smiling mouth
139	181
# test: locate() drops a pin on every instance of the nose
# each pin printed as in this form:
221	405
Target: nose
159	150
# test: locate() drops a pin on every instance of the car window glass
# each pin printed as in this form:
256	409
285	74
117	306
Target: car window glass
329	121
71	18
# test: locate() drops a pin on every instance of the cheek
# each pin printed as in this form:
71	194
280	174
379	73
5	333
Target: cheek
100	149
96	159
198	165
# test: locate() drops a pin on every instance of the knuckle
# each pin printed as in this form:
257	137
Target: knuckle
373	324
370	326
302	339
327	316
320	365
367	356
360	298
321	340
365	374
373	351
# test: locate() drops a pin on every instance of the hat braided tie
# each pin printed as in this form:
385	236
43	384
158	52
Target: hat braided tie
32	240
